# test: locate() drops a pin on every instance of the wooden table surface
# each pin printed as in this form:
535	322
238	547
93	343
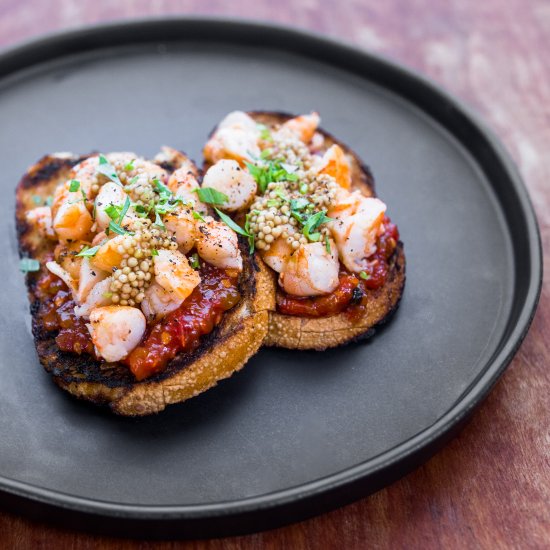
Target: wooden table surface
490	487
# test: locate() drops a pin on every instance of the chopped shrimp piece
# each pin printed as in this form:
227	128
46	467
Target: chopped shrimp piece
346	204
111	253
183	225
233	142
317	142
303	126
336	164
72	220
218	245
98	296
86	174
311	270
89	277
41	218
116	330
159	302
174	274
239	119
63	274
356	234
183	184
110	193
66	256
278	254
226	176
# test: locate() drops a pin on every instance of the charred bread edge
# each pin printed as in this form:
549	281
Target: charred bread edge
224	351
294	332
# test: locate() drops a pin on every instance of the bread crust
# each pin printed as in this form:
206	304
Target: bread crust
295	332
221	353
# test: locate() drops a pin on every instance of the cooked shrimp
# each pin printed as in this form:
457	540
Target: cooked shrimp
239	119
98	296
116	330
41	218
183	225
227	177
218	245
159	302
111	253
346	204
86	174
183	184
336	164
174	274
63	274
311	270
303	126
66	256
233	142
278	254
356	234
109	194
72	220
89	277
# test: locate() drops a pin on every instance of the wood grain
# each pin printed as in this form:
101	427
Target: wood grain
489	488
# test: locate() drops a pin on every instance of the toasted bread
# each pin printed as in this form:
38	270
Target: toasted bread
295	332
221	353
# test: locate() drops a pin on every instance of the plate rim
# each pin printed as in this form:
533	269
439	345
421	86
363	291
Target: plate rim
415	449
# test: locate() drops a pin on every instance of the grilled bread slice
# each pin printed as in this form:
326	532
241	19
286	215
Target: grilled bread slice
220	353
295	332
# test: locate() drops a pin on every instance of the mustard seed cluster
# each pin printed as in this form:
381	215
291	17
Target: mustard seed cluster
271	214
135	273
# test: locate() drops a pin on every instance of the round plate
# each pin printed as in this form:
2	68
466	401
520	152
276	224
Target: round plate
295	433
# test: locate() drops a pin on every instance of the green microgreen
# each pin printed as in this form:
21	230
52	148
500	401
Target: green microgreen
27	265
230	223
250	235
107	169
209	195
364	275
194	261
269	171
198	216
88	252
312	224
74	186
327	244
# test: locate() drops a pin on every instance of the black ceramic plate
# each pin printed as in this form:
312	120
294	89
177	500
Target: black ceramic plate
295	433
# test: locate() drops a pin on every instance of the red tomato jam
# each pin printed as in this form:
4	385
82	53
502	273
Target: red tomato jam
178	331
57	313
181	330
352	290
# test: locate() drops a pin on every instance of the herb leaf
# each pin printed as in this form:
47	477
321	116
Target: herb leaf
269	171
194	260
116	228
230	223
158	221
312	223
88	252
209	195
74	186
327	244
364	275
198	216
107	169
27	265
